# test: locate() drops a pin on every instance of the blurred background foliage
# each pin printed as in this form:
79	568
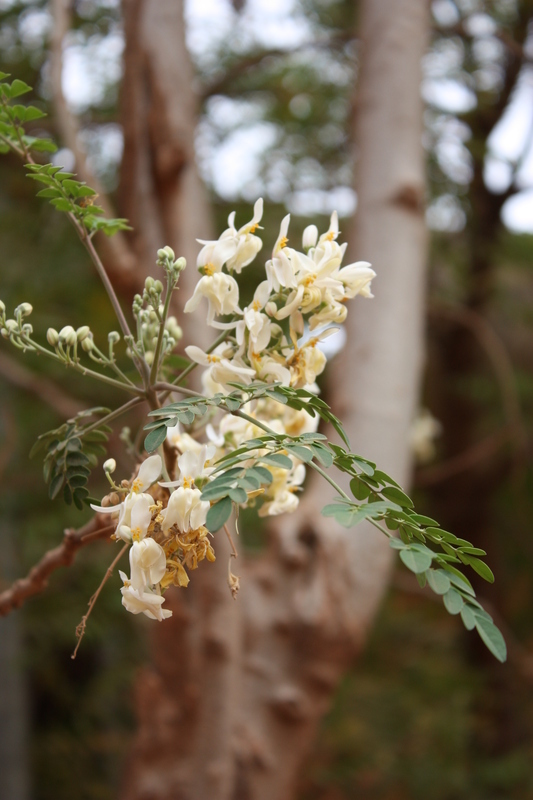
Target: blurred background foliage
425	712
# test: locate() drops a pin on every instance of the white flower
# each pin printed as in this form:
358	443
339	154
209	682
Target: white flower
356	279
124	509
183	441
149	472
257	323
235	248
309	237
185	509
142	602
222	369
248	245
140	516
280	495
192	465
279	269
221	292
147	562
424	430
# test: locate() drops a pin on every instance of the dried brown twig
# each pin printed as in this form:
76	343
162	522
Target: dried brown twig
61	556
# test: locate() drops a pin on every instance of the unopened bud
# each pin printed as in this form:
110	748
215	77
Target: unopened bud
67	335
180	264
52	337
11	326
87	344
149	284
173	328
113	337
24	310
309	237
110	466
166	254
82	333
158	286
2	307
149	357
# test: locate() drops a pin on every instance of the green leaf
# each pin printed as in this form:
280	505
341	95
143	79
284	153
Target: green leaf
492	638
277	460
55	485
415	560
264	475
218	514
233	403
458	578
480	567
467	615
438	581
155	438
238	495
397	496
299	451
359	489
18	88
453	601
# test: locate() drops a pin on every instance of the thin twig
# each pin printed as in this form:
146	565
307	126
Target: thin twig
80	629
234	553
61	556
116	248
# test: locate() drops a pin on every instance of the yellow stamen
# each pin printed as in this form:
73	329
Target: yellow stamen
136	534
283	242
209	268
330	236
213	359
253	228
136	485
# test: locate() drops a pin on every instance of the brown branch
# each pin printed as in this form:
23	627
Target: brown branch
62	556
43	387
116	251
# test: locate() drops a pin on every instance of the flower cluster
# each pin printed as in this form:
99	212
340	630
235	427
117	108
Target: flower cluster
166	533
274	339
268	340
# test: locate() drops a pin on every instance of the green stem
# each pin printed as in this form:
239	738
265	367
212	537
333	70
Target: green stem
329	480
112	364
157	354
113	415
83	370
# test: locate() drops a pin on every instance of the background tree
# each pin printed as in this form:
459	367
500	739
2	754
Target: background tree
281	88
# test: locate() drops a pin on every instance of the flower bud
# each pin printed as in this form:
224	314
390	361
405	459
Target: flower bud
173	328
67	335
2	307
87	344
82	333
24	310
158	286
180	264
52	337
110	466
309	237
166	254
113	337
149	357
149	284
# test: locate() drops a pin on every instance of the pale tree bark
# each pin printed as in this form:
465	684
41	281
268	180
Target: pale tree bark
232	702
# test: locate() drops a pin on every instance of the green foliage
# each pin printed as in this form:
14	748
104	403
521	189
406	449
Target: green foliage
63	191
74	197
70	452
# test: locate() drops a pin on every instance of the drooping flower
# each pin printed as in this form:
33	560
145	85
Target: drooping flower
145	601
147	563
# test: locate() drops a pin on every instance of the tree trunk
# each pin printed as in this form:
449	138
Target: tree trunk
237	689
161	192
